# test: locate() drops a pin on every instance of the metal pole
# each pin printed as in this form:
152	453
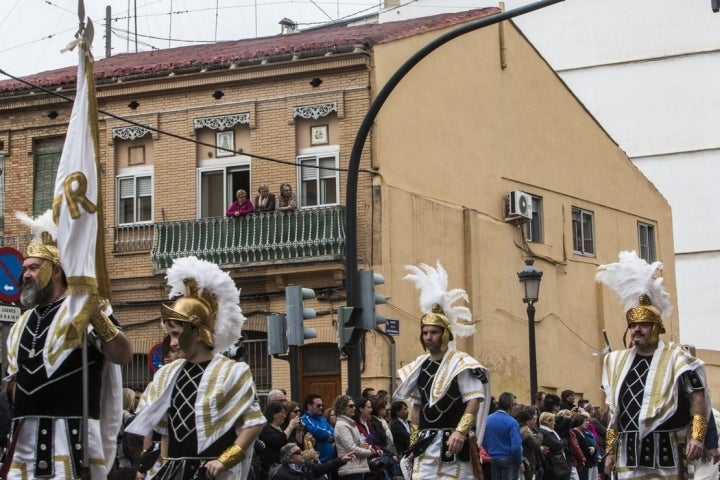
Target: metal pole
85	473
294	360
351	254
531	340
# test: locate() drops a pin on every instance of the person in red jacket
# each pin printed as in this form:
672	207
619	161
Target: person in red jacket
240	207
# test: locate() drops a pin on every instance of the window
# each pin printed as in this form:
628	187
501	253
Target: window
646	242
583	232
136	374
533	229
46	160
319	186
217	185
134	198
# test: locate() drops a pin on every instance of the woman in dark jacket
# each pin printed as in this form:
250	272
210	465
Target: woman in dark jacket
553	449
563	425
273	436
531	441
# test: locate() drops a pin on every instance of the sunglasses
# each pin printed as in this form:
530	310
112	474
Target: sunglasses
297	452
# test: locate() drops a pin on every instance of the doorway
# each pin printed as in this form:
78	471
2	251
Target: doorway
320	372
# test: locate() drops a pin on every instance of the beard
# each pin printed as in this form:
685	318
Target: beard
32	295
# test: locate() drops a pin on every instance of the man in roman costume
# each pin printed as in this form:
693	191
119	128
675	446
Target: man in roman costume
204	404
656	391
448	389
45	362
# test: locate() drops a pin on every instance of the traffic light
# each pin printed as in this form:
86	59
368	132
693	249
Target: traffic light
369	318
345	325
296	314
277	341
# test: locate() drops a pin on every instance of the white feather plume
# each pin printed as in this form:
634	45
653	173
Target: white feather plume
632	277
210	278
433	284
38	225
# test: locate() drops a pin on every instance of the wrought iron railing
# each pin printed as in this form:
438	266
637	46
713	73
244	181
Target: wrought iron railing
265	237
134	238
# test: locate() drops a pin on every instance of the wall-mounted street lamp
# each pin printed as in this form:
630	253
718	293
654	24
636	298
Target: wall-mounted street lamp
530	278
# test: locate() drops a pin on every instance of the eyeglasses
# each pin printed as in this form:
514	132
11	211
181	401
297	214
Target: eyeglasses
318	405
296	452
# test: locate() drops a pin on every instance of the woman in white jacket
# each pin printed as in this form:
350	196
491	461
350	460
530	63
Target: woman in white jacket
347	440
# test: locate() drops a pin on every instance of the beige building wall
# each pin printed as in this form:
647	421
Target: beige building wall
452	140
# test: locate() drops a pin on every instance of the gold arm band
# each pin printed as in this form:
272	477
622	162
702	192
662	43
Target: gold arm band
611	441
698	427
233	455
466	423
414	434
104	327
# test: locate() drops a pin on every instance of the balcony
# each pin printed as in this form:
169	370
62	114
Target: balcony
309	234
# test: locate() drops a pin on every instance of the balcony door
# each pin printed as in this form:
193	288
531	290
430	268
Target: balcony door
217	184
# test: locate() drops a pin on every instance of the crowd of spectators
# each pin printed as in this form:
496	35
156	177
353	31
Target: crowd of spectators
553	439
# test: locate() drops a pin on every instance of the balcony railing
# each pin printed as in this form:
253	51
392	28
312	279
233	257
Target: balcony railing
134	238
261	238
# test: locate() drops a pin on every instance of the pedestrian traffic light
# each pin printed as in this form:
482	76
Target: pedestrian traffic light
296	314
346	325
277	340
369	318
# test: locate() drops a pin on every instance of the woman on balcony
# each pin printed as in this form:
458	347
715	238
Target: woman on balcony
265	201
287	202
240	207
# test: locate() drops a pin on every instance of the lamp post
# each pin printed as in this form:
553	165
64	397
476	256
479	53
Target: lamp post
530	278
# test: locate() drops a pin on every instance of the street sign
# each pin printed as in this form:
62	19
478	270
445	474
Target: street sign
155	357
392	327
9	314
10	269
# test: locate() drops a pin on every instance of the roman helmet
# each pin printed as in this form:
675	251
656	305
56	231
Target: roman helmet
206	301
43	245
437	303
644	296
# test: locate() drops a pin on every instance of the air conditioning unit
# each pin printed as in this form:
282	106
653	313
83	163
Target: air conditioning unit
519	205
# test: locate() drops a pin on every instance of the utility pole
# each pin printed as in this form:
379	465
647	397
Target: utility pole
108	42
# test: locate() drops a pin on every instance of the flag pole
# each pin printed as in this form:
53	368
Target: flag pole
85	473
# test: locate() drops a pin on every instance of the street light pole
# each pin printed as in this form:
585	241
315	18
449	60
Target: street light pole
530	278
531	349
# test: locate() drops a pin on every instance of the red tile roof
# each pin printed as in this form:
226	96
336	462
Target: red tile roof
308	43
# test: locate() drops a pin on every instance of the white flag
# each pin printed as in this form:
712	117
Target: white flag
77	213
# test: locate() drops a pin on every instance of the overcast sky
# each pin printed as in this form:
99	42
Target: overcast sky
32	32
